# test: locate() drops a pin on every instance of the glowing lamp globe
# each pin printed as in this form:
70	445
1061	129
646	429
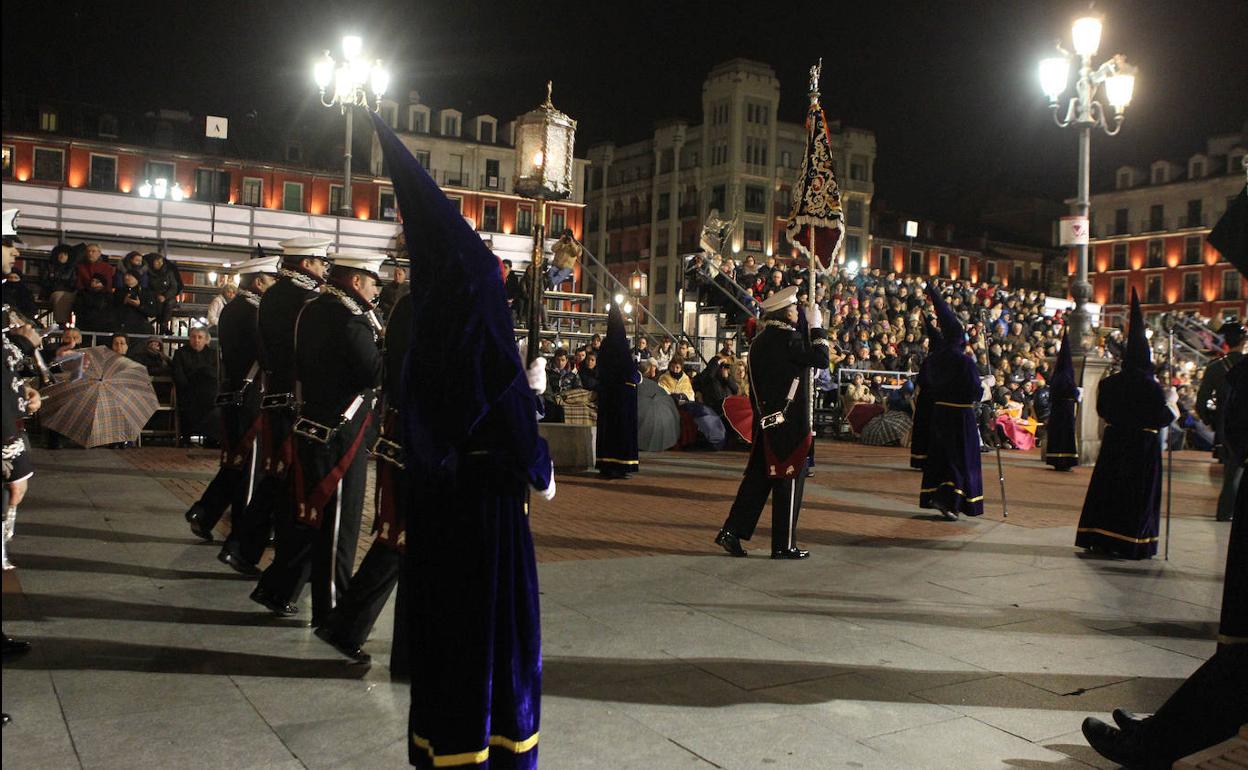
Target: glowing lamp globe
544	141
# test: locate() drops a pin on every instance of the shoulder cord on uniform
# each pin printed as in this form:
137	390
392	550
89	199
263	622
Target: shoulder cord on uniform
303	280
250	296
349	302
779	325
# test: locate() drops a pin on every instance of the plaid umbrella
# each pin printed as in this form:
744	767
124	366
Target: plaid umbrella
110	403
888	429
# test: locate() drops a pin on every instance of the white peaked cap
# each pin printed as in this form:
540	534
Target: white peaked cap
305	246
781	299
10	223
368	261
261	265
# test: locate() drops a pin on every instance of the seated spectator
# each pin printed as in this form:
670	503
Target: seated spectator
741	375
71	340
93	306
648	369
60	281
18	296
857	392
718	386
642	351
228	292
195	382
93	265
119	344
675	381
391	294
560	376
132	261
663	355
588	372
165	283
133	306
152	357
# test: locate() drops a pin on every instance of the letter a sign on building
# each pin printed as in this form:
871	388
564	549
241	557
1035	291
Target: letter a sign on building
1074	231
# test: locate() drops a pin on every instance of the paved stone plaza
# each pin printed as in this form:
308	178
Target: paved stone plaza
903	642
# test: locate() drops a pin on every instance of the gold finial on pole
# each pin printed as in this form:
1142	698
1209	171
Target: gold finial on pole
549	87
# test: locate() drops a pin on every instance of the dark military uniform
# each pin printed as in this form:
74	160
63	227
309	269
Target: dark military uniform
239	404
779	355
1214	388
338	366
275	320
353	619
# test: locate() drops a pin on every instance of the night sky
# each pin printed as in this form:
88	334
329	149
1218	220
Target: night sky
949	88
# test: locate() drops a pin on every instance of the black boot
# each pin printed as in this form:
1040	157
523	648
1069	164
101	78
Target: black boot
1112	743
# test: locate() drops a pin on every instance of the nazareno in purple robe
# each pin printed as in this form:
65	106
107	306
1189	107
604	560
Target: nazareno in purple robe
472	448
616	442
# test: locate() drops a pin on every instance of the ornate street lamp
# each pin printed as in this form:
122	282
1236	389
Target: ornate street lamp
544	140
1084	112
354	80
639	284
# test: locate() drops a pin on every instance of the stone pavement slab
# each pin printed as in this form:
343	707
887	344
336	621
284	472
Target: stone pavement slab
903	642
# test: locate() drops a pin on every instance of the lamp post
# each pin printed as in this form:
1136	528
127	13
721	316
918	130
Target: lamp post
639	284
544	140
1084	112
352	79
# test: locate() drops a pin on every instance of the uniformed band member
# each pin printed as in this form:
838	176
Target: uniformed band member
19	399
337	373
1061	446
304	264
923	399
616	447
1210	399
238	402
1122	509
352	620
472	451
952	479
781	359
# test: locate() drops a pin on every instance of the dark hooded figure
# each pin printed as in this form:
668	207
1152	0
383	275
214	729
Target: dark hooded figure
1061	448
472	452
952	480
617	402
922	399
1122	509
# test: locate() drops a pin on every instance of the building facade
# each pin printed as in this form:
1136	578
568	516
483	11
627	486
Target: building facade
1149	234
647	201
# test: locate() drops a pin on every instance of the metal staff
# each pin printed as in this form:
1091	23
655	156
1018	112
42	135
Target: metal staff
1005	509
1169	443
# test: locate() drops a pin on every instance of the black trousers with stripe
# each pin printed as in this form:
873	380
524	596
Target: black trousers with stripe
756	487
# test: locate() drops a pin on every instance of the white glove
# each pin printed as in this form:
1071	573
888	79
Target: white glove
815	318
548	493
1079	395
536	374
1172	397
988	381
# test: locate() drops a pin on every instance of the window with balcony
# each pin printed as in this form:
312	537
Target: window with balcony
853	212
665	205
916	262
786	159
1191	287
524	219
1155	253
8	160
103	172
886	258
1194	218
212	185
1152	290
489	216
154	169
1121	222
942	263
964	268
455	171
1192	249
493	177
252	191
335	198
853	247
558	222
422	157
1156	217
1231	283
660	279
990	270
755	199
753	237
1118	259
292	196
1118	291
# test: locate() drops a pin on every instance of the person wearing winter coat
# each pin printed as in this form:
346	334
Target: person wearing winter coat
60	282
165	283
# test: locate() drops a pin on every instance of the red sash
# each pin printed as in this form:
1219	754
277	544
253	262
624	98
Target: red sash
235	456
389	525
279	458
309	505
789	466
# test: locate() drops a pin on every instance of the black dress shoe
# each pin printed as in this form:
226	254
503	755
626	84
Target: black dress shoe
357	655
235	562
198	528
789	553
1112	743
1126	720
15	646
730	543
277	607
